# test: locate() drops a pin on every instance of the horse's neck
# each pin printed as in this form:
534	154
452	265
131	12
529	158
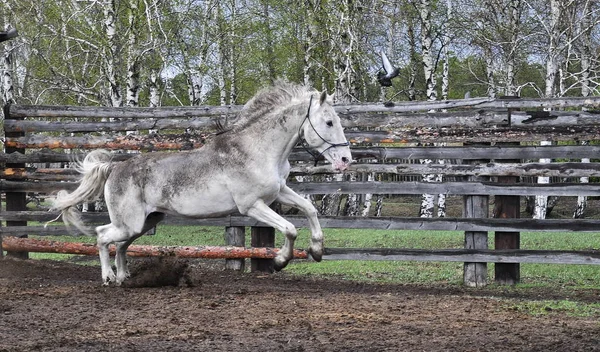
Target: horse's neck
279	138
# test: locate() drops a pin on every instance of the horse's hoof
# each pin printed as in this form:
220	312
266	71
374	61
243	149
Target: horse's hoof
316	255
279	264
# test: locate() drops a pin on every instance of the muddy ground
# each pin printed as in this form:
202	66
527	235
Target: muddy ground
175	305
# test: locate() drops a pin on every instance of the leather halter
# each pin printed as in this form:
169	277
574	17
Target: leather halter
304	143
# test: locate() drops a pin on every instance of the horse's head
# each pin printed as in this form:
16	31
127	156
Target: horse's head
323	132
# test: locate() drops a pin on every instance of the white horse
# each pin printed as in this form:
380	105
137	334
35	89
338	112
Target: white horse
242	170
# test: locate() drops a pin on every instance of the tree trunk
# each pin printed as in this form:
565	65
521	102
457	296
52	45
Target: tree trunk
541	201
446	52
427	49
110	22
582	200
412	44
7	68
133	67
427	200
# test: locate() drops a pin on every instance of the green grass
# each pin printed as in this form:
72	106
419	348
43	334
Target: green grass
548	307
532	275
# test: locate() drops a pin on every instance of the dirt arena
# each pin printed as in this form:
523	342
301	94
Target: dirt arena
196	306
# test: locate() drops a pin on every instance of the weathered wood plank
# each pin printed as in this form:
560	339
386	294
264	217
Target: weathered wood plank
475	135
201	123
449	188
409	135
408	187
465	119
129	142
373	223
464	255
479	152
488	169
379	153
474	103
49	111
98	112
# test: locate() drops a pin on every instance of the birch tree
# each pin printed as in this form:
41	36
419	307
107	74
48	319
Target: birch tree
553	33
429	62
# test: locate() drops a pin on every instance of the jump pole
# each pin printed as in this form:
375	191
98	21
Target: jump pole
16	244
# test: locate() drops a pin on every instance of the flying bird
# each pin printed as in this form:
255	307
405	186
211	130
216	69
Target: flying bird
9	34
389	71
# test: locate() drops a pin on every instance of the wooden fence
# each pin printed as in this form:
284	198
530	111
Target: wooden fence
492	144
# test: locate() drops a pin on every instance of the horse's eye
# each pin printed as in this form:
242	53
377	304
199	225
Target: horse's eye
330	123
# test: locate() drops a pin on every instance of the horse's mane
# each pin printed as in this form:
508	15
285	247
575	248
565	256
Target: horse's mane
269	99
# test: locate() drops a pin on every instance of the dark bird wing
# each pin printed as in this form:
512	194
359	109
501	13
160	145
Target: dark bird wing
9	34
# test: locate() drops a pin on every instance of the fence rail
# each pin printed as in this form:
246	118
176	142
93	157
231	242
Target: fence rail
489	147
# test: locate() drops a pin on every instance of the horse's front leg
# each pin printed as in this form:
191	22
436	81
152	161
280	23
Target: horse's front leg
261	212
288	197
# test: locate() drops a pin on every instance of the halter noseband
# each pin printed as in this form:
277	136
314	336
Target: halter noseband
304	143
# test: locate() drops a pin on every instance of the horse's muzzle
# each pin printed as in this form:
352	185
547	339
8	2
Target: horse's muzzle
342	163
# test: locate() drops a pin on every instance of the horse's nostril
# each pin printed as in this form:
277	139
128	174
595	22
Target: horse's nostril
344	159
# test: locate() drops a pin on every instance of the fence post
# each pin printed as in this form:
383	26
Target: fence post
507	207
476	206
15	201
235	236
262	237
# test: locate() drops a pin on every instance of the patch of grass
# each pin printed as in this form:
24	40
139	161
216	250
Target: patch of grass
532	275
382	271
547	307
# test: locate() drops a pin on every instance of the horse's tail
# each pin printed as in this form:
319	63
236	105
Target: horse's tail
94	169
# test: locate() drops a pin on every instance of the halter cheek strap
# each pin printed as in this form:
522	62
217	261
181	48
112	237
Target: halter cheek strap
304	143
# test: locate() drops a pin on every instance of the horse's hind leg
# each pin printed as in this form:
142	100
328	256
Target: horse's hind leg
121	254
106	233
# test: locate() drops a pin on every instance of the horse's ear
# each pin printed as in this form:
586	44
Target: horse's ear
323	97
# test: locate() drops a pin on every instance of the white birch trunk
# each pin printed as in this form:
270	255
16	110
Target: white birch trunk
379	207
585	51
223	51
427	200
154	93
231	54
441	198
110	23
585	54
446	52
427	48
7	72
489	72
133	68
153	89
553	52
351	208
366	208
511	56
582	200
541	201
412	79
